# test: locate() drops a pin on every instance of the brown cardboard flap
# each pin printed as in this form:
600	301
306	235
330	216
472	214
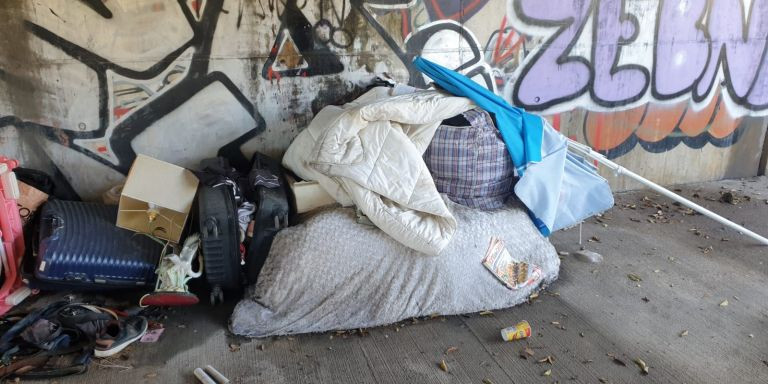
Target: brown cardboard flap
163	184
30	199
133	215
166	189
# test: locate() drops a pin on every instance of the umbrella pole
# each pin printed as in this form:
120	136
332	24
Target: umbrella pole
587	151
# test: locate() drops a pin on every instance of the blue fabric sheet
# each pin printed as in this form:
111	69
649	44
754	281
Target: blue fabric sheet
558	188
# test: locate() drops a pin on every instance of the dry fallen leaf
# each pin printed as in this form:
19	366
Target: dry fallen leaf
525	352
443	366
234	347
261	347
487	381
643	366
684	333
548	372
150	375
724	303
548	359
603	380
486	313
616	360
451	349
634	277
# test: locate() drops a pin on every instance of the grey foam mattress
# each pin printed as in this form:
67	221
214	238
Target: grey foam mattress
331	273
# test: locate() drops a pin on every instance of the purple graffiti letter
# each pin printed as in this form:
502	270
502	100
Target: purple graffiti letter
740	43
681	47
552	76
614	84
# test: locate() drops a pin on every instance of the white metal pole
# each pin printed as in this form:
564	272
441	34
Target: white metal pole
587	151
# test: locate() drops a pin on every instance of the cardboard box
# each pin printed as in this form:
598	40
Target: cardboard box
156	198
308	195
30	199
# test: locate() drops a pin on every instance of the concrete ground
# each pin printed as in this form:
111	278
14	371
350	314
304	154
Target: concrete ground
594	322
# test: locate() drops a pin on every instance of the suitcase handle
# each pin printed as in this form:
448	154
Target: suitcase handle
212	227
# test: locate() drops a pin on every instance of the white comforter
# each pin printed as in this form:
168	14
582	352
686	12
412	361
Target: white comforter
368	153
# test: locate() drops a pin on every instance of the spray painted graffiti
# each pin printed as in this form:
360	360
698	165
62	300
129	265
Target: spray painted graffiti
693	39
133	103
429	38
668	82
301	49
191	79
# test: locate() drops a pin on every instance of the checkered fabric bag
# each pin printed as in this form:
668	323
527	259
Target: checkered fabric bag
470	163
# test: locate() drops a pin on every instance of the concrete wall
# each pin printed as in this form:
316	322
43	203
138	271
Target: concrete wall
674	89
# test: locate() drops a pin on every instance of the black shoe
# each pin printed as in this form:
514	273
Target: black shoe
120	334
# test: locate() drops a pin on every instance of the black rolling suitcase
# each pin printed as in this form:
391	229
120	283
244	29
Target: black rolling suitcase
217	220
80	248
267	189
221	192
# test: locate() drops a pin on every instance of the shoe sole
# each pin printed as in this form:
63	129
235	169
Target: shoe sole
116	350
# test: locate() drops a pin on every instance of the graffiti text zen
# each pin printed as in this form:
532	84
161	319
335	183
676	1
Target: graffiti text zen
692	40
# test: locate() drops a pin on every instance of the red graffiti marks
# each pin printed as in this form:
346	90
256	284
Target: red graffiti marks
506	46
454	10
659	121
659	127
608	130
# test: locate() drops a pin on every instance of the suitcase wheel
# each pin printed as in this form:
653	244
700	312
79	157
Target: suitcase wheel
217	295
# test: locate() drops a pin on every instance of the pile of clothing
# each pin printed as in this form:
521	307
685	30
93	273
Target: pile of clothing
463	187
392	152
61	338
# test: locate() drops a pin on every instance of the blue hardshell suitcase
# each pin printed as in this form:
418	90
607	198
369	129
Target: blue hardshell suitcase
81	248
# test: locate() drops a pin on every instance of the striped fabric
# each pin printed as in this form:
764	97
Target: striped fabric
470	163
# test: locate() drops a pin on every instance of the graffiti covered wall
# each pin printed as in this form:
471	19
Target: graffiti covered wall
675	89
